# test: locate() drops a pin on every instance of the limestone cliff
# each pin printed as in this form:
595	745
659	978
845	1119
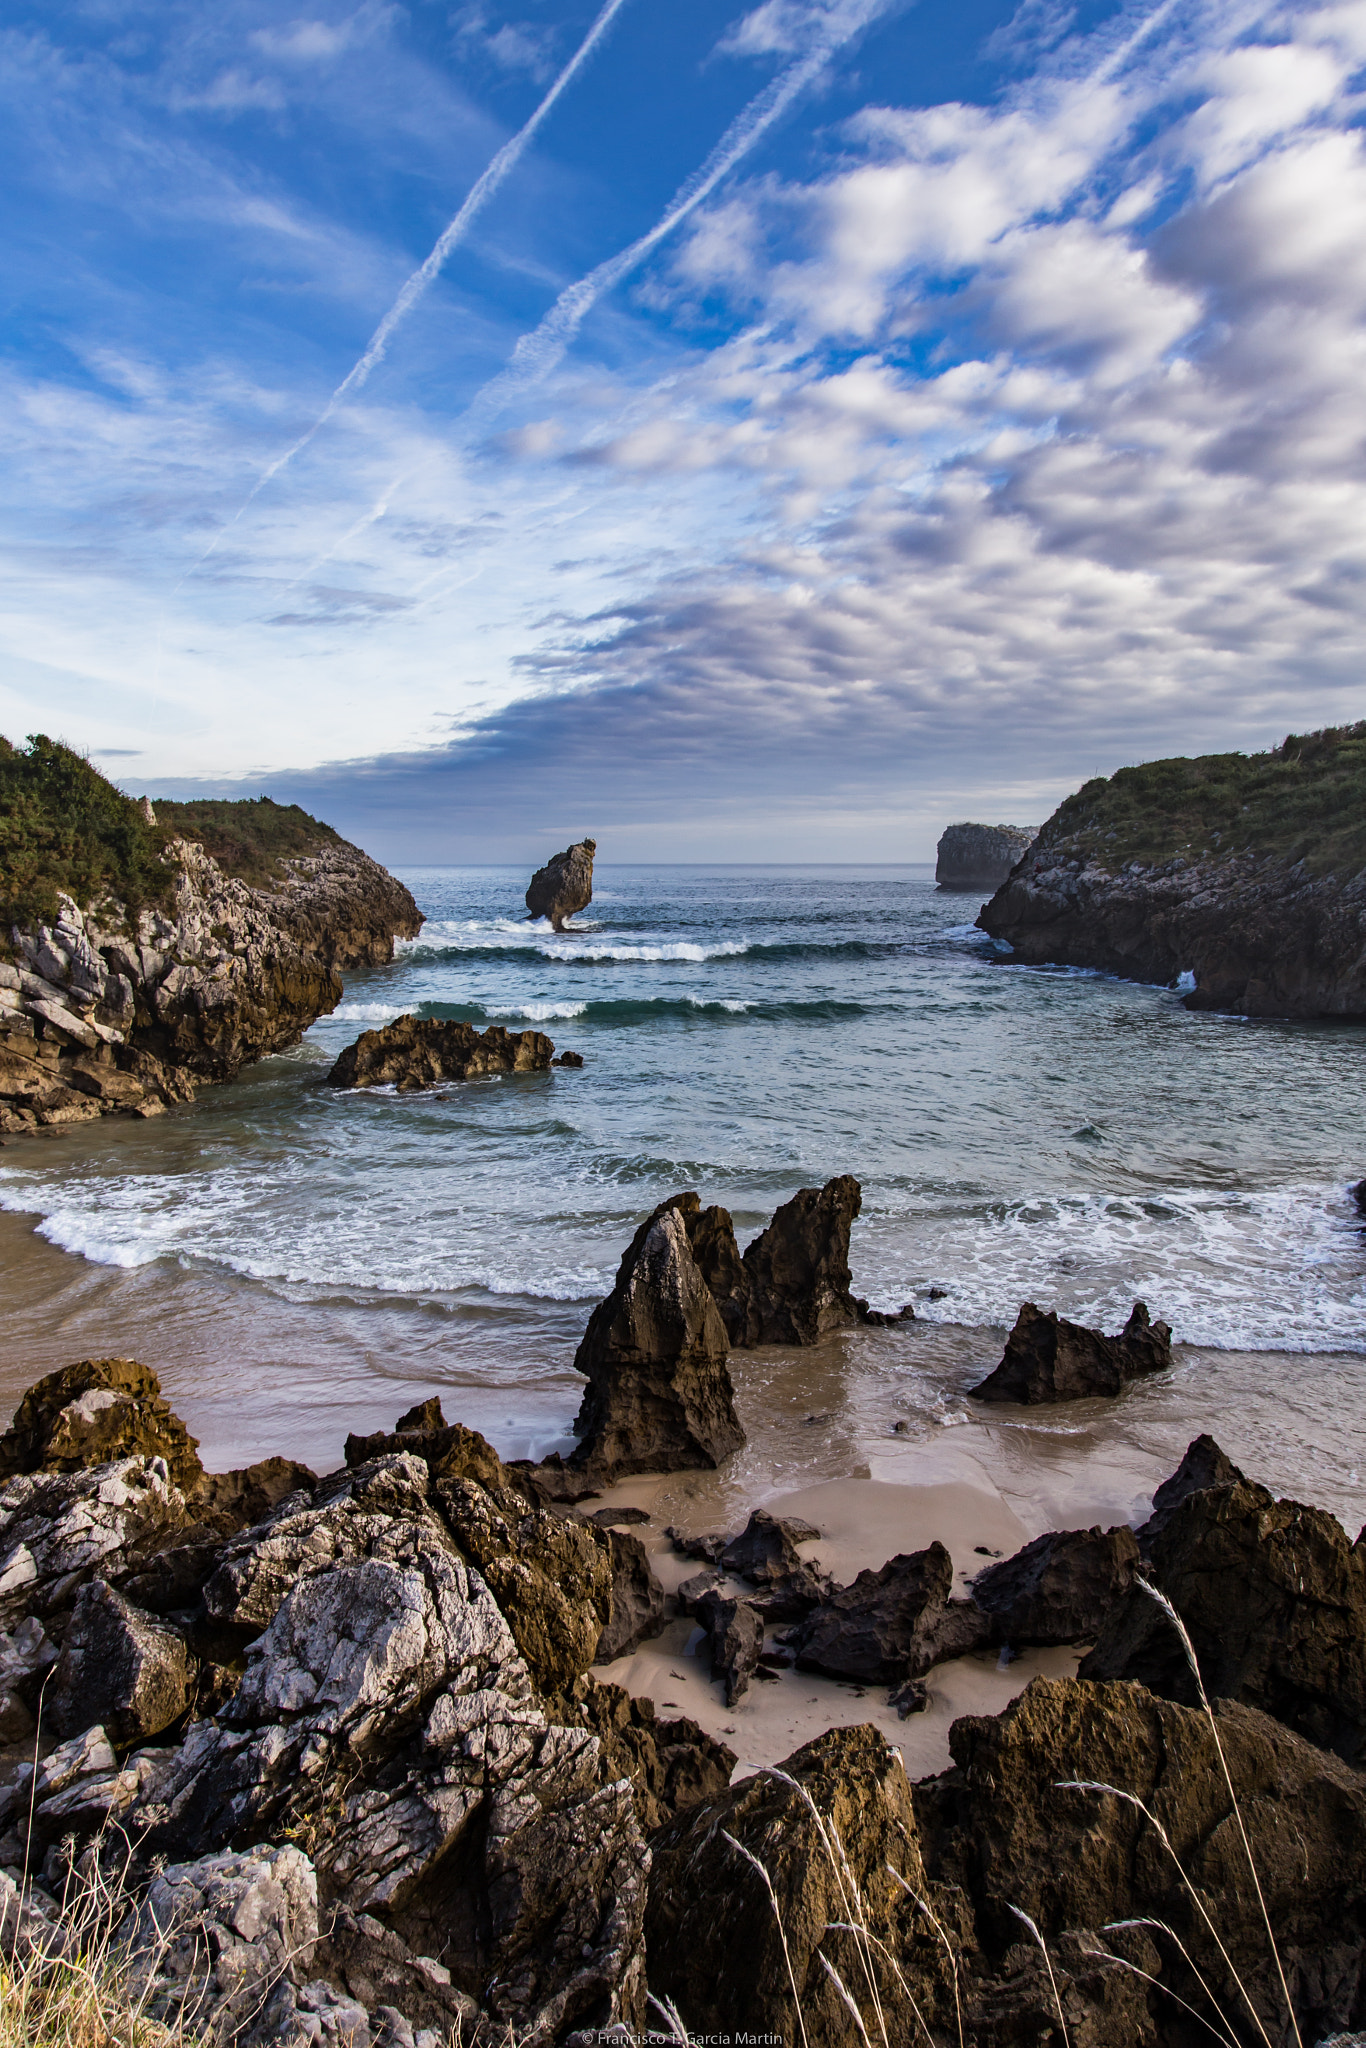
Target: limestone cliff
110	1008
1240	878
979	856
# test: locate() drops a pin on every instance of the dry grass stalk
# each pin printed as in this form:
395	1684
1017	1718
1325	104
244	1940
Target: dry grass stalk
1048	1965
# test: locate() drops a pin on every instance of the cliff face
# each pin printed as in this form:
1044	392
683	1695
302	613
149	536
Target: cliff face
979	856
1247	874
104	1009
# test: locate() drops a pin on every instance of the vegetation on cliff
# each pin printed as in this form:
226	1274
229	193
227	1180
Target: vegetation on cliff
65	828
1304	801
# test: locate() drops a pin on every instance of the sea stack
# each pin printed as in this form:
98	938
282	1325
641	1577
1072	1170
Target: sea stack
980	856
564	884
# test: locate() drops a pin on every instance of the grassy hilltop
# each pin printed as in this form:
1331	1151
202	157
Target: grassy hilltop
1303	801
64	826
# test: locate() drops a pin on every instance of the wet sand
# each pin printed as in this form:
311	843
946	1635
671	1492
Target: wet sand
867	1435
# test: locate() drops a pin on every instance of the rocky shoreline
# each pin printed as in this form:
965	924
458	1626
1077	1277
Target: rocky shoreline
106	1011
353	1746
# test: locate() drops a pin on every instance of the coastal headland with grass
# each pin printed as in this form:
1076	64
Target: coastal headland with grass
694	1535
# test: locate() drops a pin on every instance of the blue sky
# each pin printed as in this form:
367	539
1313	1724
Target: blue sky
831	417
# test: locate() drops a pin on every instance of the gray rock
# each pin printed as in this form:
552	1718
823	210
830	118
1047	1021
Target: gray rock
637	1599
799	1267
892	1624
118	1668
564	884
655	1355
57	1530
25	1655
736	1629
1049	1359
980	856
1061	1588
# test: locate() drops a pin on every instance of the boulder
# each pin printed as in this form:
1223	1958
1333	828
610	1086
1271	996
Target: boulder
552	1576
799	1267
671	1765
415	1052
979	856
229	1501
659	1395
93	1412
118	1668
765	1553
892	1624
564	884
26	1655
637	1609
448	1449
1273	1595
1061	1588
737	1636
1203	1465
60	1529
1049	1359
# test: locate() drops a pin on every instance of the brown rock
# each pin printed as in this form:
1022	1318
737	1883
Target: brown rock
564	884
1203	1465
716	1254
1274	1597
655	1353
736	1629
671	1764
765	1553
92	1412
799	1267
414	1053
448	1449
1061	1588
1049	1359
637	1599
892	1624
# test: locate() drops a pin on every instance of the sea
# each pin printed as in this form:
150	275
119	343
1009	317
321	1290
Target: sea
295	1255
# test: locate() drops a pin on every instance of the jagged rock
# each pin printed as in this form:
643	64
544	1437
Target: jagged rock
729	1962
671	1764
550	1480
31	1924
892	1624
799	1267
564	884
693	1591
765	1553
229	1501
25	1656
415	1052
979	856
448	1449
1049	1359
219	1946
736	1629
59	1529
93	1412
1203	1465
552	1577
118	1668
389	1982
716	1254
1061	1588
1274	1597
659	1393
567	1059
637	1608
706	1548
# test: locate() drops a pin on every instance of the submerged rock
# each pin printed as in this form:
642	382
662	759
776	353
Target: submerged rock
564	884
892	1624
980	856
655	1353
415	1052
1049	1359
799	1267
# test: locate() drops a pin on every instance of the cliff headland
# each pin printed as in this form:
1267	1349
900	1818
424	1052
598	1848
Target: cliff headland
1241	878
145	952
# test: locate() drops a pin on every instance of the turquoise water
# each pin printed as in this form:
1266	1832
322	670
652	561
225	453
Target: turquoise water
1018	1132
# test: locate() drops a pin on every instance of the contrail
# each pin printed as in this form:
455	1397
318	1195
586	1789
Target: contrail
537	353
482	191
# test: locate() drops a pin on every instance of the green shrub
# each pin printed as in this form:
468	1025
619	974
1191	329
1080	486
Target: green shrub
1303	801
64	826
249	838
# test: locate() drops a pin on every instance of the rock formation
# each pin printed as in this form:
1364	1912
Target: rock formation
1049	1359
892	1624
655	1353
1240	879
103	1010
798	1268
414	1053
1061	1588
980	856
564	884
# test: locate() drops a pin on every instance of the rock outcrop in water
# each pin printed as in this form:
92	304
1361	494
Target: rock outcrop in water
416	1052
1240	879
564	884
1049	1359
103	1010
979	856
798	1268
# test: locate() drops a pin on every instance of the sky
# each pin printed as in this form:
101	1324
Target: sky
737	433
